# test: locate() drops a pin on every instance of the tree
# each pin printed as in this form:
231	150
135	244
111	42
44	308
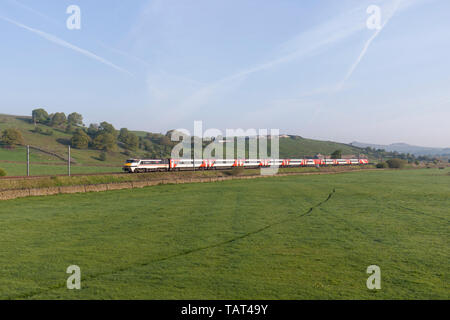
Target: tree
58	119
2	173
336	154
69	128
396	163
147	145
39	116
105	142
93	130
164	141
132	142
106	127
129	139
75	119
80	139
12	137
123	135
382	165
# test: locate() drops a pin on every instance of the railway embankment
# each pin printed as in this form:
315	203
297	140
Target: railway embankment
20	188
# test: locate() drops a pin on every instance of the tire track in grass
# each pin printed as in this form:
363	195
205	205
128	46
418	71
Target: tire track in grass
424	213
177	255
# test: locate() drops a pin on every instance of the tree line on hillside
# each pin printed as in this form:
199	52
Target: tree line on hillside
102	136
58	119
382	154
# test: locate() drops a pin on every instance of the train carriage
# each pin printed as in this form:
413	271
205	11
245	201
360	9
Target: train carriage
146	165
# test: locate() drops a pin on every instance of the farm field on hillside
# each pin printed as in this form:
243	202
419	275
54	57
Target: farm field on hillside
20	169
19	154
252	239
57	142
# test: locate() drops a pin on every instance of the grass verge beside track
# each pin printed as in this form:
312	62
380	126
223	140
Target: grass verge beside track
60	181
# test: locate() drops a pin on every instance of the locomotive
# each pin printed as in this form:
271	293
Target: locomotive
152	165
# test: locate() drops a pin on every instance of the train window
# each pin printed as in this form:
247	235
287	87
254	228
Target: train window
151	162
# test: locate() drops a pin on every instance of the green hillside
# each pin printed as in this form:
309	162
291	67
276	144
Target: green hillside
57	143
296	146
54	140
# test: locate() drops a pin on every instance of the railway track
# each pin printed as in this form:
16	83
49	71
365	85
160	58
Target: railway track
127	173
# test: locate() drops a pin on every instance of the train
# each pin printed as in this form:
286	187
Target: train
154	165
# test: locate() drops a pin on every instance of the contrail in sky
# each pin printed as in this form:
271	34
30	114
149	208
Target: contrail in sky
66	44
17	3
367	45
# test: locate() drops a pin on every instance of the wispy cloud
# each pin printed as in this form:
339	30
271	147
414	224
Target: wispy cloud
304	45
389	13
66	44
126	54
32	10
317	40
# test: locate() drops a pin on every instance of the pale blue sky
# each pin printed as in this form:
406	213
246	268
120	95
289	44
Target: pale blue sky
310	68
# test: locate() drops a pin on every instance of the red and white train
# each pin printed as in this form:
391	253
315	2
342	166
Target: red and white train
150	165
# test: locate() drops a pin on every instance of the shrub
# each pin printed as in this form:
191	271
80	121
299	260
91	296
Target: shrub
382	165
11	137
396	163
37	130
80	139
102	156
2	173
105	141
336	154
236	171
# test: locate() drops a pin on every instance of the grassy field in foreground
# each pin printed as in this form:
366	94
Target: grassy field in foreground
251	239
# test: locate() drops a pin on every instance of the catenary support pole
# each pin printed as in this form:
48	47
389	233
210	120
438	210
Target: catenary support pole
68	162
28	161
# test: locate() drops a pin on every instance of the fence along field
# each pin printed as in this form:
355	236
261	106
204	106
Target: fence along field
14	162
242	239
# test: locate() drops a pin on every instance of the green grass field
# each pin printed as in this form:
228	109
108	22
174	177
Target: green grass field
252	239
19	154
20	169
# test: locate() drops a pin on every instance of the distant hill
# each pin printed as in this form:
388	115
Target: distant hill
296	146
406	148
56	141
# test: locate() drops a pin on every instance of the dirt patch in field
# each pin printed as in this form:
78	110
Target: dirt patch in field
119	186
96	187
